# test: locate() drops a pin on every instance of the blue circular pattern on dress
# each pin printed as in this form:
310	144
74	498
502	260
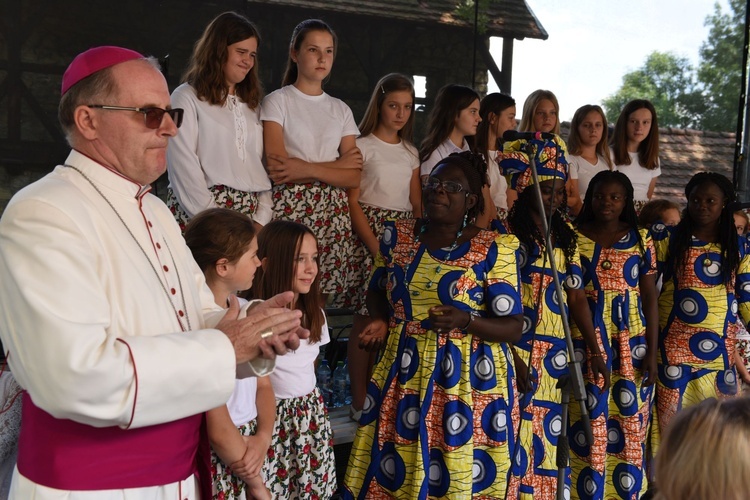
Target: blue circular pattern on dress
556	361
523	255
484	471
538	448
370	408
617	310
590	483
390	472
495	420
691	306
615	439
446	287
574	281
552	425
457	423
638	350
482	373
408	417
520	461
631	270
625	395
505	300
409	362
529	320
438	476
448	371
706	345
550	300
627	480
726	382
673	376
577	439
388	231
707	267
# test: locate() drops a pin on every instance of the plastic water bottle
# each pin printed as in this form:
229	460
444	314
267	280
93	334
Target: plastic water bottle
323	376
338	395
348	394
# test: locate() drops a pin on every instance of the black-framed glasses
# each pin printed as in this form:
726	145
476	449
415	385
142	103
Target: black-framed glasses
152	116
448	186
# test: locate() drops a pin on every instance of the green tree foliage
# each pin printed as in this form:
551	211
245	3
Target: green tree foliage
720	72
669	83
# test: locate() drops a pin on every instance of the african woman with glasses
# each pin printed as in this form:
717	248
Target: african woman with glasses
215	161
440	412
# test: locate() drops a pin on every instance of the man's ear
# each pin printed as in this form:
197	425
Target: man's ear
86	122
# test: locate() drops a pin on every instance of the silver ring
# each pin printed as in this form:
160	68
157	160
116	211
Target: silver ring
265	334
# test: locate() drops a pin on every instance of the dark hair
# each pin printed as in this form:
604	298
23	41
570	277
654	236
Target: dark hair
682	236
205	73
474	169
494	103
628	214
648	149
574	137
449	102
280	242
522	225
218	233
392	82
298	36
654	211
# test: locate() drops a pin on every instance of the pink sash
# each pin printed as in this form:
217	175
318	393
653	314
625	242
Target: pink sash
67	455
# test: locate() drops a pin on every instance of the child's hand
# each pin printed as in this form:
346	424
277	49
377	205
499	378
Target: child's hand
249	465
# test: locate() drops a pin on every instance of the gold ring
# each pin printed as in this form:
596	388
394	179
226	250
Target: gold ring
266	334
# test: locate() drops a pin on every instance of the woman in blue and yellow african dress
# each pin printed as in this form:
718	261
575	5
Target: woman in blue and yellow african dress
542	346
619	270
441	408
706	282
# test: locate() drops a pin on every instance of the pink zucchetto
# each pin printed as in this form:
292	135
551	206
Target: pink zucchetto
87	63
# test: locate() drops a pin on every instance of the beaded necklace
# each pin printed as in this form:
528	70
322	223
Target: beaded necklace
438	268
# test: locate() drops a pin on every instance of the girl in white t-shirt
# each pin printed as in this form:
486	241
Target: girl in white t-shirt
216	161
588	152
498	113
311	152
300	462
635	148
224	245
454	119
390	186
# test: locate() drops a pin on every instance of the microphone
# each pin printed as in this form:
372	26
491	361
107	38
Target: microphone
514	135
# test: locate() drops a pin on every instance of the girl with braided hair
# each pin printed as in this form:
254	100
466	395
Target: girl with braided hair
705	267
440	415
542	357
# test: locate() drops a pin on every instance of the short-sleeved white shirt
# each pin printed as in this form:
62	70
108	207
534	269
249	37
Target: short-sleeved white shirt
640	177
386	173
443	150
313	125
498	184
294	375
581	169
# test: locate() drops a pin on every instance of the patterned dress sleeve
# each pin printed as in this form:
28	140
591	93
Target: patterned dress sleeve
742	283
503	278
379	275
574	272
660	235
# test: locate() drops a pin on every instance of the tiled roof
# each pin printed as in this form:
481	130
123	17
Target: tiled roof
685	152
509	18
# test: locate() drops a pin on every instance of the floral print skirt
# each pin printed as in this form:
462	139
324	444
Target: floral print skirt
227	486
300	462
224	196
324	209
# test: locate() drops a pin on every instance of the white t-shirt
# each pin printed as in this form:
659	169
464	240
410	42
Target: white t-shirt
216	145
386	173
294	375
443	150
241	403
498	184
581	169
640	177
313	124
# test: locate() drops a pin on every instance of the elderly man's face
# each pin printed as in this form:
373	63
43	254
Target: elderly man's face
123	142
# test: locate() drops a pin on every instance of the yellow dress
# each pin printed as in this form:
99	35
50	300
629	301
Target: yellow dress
441	411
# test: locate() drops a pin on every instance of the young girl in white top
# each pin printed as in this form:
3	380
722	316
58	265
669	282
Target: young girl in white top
635	148
311	152
453	119
498	113
588	152
224	245
390	186
300	462
216	159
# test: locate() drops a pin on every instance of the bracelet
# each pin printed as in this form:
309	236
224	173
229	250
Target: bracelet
596	355
471	319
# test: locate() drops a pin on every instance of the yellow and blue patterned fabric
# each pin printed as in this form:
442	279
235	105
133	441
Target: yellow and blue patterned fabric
549	156
441	411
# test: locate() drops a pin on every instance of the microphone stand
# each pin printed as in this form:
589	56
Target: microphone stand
574	380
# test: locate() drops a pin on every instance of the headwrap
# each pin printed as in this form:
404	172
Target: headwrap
87	63
549	157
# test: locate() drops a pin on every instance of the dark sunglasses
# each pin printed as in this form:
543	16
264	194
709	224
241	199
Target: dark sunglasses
448	186
152	116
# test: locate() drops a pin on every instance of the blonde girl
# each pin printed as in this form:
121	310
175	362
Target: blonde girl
312	157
